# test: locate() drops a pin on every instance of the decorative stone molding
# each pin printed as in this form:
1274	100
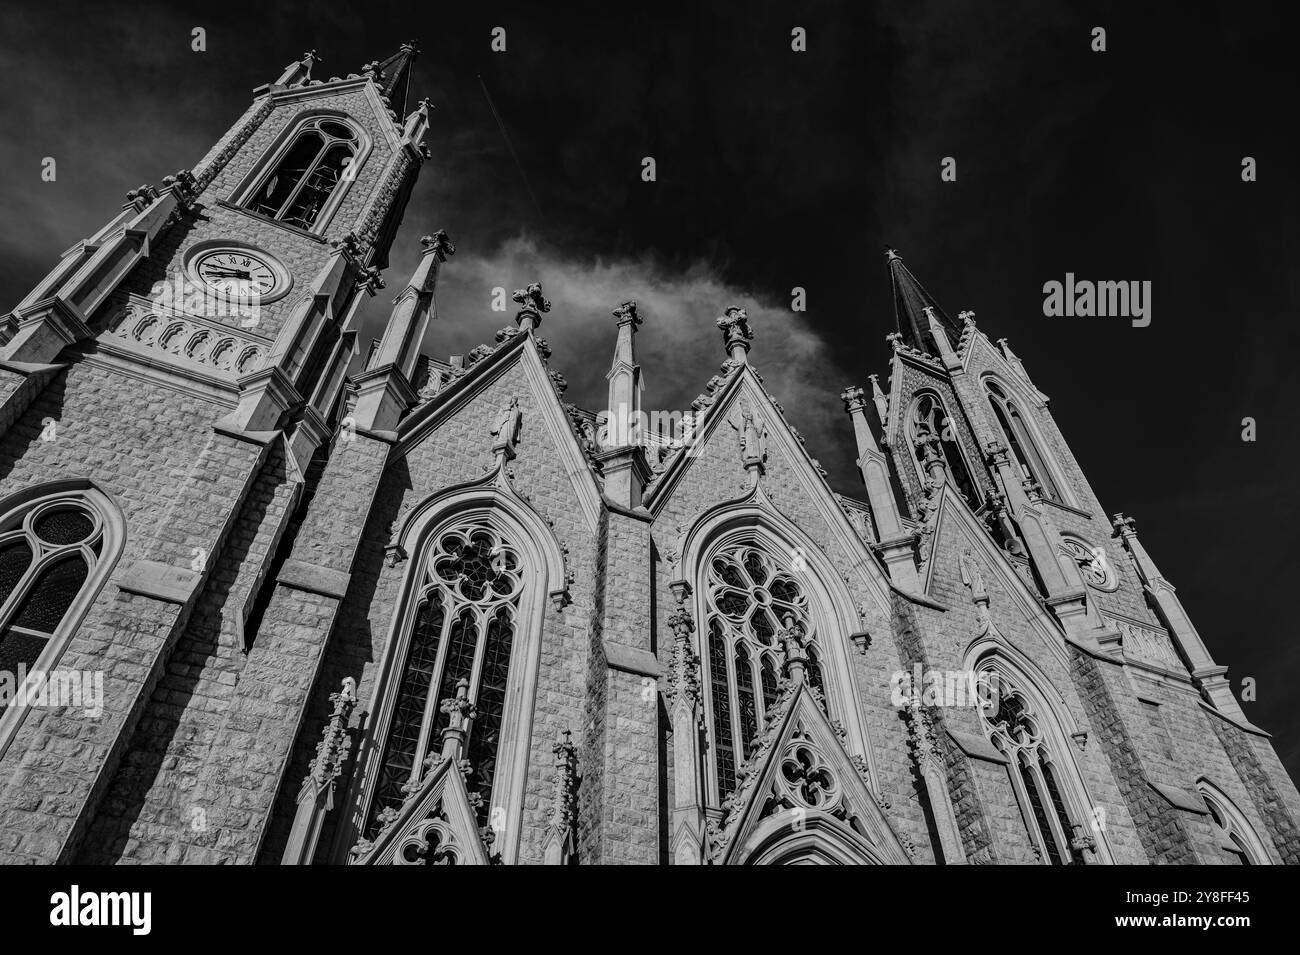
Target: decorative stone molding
189	339
1146	644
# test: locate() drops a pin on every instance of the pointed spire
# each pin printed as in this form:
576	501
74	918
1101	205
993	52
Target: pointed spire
914	308
625	378
393	77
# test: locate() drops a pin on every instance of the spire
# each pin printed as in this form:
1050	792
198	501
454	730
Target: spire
394	77
911	302
625	377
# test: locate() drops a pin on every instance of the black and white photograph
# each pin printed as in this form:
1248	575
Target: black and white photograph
588	434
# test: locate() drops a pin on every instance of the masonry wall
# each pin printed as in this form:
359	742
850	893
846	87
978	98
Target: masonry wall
456	452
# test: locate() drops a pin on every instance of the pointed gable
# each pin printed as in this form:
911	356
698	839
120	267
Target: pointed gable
436	825
517	356
803	798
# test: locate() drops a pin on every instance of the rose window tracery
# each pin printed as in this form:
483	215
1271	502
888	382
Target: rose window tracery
750	597
464	628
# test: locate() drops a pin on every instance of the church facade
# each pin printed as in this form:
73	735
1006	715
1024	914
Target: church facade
272	595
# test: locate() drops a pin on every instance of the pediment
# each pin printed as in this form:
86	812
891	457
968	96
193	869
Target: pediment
437	825
802	798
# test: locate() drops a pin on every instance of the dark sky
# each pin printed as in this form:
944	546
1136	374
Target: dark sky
778	169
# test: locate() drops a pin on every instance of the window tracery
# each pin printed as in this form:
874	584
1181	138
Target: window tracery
307	173
48	553
749	598
1019	439
929	427
1015	730
464	628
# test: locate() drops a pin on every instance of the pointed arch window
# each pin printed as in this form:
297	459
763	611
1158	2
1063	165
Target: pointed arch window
306	178
929	424
1234	833
1015	728
464	628
749	597
1016	433
55	550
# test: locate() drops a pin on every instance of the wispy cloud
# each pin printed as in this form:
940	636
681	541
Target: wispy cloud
679	347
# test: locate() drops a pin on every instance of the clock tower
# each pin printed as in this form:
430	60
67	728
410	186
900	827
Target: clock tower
182	374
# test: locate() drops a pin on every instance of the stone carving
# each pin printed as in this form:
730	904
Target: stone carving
735	329
531	301
627	313
1146	644
212	345
564	784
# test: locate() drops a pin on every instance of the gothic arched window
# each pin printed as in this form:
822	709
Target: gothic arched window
1234	833
928	426
305	175
1020	441
464	628
749	598
53	552
1013	726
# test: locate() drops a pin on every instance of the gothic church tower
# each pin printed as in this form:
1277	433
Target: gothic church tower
167	394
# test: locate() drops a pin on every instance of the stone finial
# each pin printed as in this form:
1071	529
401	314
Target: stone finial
792	641
966	317
564	808
895	340
532	304
460	713
736	333
1124	526
878	396
627	313
439	244
332	750
349	244
995	452
891	254
854	399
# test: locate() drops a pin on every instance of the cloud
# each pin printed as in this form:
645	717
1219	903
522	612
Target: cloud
678	347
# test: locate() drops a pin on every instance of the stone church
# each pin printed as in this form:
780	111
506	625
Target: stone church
348	603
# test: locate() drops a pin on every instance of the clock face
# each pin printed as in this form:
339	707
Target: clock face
237	273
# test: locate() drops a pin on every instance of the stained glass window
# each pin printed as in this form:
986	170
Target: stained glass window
46	555
1012	726
308	172
749	594
464	629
